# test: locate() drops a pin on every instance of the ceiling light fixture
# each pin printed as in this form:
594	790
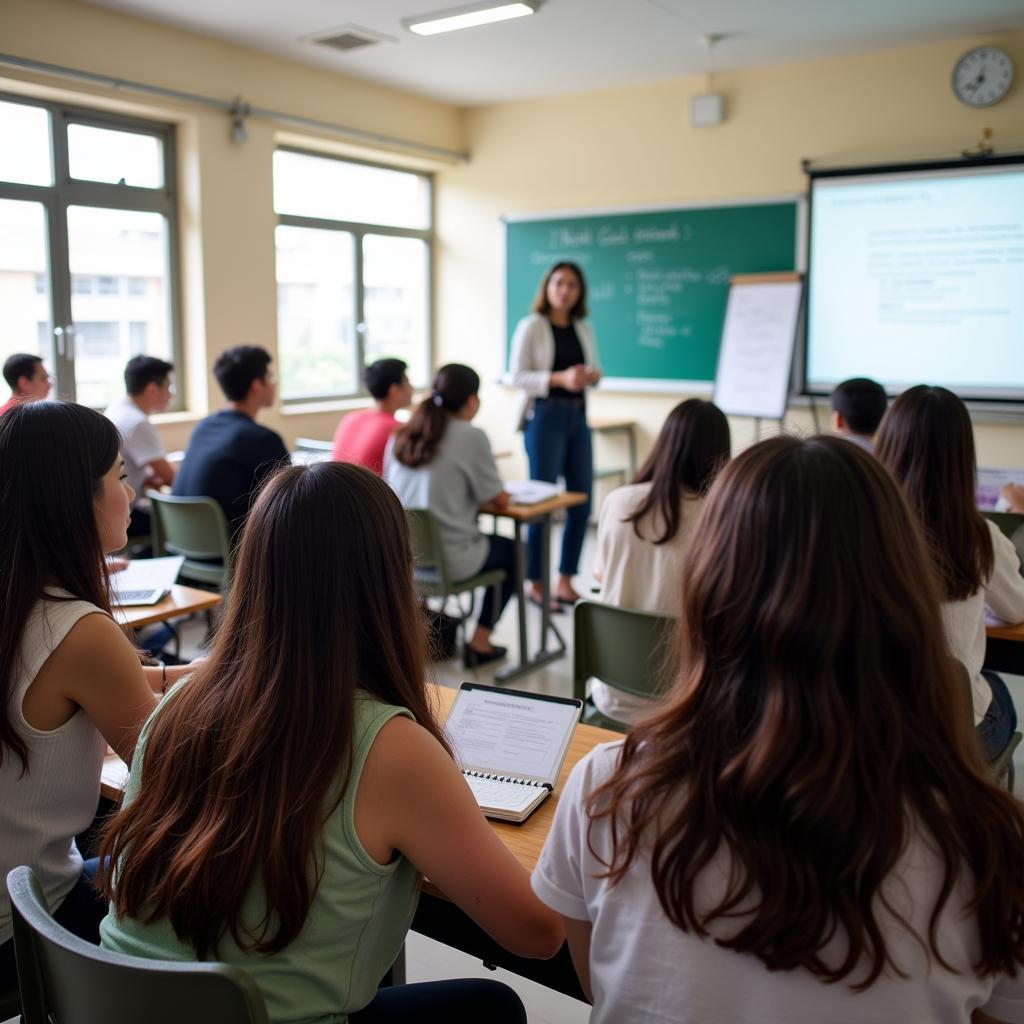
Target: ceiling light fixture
469	17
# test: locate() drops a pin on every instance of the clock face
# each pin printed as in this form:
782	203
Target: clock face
982	76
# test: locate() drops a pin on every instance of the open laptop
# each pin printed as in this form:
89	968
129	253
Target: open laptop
145	581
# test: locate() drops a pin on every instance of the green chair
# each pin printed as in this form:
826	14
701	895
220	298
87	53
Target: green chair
63	978
308	444
432	578
1002	767
195	528
1010	524
626	649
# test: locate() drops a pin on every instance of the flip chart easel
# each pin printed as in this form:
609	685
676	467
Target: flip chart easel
755	358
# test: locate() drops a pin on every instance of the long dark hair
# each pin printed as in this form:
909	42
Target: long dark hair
245	762
417	442
540	300
692	447
53	457
927	442
818	724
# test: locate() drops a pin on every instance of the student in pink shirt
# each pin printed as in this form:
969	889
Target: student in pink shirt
362	436
27	378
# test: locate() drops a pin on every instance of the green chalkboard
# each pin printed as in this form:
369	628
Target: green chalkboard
658	280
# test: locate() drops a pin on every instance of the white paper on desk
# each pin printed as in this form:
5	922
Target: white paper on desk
510	734
531	492
147	574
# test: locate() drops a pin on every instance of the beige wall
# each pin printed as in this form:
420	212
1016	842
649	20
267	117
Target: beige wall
635	145
227	215
614	147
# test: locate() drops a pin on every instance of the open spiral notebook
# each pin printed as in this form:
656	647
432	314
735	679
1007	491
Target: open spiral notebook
510	746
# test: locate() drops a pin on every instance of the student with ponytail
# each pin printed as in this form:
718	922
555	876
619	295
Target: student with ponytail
441	462
804	830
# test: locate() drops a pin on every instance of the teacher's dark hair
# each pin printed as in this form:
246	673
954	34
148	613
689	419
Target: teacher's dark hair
247	759
540	300
416	443
818	725
927	443
693	445
54	456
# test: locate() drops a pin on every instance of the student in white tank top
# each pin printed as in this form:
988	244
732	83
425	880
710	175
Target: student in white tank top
804	830
644	529
70	681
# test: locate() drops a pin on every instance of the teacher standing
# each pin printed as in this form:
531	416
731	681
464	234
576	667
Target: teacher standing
553	363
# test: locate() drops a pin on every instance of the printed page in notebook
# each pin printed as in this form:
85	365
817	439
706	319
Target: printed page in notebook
509	734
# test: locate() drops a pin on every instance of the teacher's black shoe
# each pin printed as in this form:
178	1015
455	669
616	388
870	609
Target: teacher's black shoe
474	659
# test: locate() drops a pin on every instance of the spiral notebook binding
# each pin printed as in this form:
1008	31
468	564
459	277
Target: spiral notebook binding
494	777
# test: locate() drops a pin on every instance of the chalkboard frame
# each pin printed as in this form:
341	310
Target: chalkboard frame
648	385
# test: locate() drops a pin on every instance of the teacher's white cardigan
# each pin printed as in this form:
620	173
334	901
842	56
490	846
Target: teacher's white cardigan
533	355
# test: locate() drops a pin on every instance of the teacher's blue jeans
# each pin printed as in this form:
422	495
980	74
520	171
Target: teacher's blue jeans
558	445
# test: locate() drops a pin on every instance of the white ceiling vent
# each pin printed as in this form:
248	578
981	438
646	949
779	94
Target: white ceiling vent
347	38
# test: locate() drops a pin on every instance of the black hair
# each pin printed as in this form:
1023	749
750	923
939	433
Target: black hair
379	376
417	442
141	371
21	364
236	368
50	538
861	401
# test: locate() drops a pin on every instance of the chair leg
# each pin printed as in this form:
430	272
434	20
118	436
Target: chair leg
1011	776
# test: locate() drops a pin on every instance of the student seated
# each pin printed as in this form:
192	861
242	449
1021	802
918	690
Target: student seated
148	390
858	405
286	800
644	529
362	436
927	442
229	454
70	680
804	830
27	378
439	461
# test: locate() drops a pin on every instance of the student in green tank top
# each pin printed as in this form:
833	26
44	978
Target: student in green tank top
287	797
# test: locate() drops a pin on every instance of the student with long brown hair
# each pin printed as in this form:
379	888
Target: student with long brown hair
927	442
645	527
285	800
70	680
439	461
805	829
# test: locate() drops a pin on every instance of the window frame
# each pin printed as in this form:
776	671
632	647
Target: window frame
65	191
358	230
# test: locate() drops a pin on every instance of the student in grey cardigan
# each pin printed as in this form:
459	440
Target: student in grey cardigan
553	363
441	462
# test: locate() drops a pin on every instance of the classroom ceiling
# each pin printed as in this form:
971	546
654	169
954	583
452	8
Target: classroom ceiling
575	45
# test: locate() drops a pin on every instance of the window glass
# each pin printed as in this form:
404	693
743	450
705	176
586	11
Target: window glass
24	281
395	308
25	144
125	158
316	186
107	249
317	351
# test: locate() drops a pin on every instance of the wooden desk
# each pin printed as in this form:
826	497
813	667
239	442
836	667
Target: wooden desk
612	425
181	600
521	517
442	920
1004	650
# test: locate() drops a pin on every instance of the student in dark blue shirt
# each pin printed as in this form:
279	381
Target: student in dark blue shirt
229	454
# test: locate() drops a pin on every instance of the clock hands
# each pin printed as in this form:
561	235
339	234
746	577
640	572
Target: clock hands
976	83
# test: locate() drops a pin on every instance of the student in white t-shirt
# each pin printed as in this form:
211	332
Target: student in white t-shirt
148	387
927	442
805	830
644	528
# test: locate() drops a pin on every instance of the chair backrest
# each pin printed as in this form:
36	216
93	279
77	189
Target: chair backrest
1010	524
65	979
427	549
193	527
627	649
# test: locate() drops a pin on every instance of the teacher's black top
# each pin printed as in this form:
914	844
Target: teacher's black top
568	352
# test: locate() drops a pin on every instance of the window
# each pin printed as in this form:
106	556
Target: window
354	244
88	246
